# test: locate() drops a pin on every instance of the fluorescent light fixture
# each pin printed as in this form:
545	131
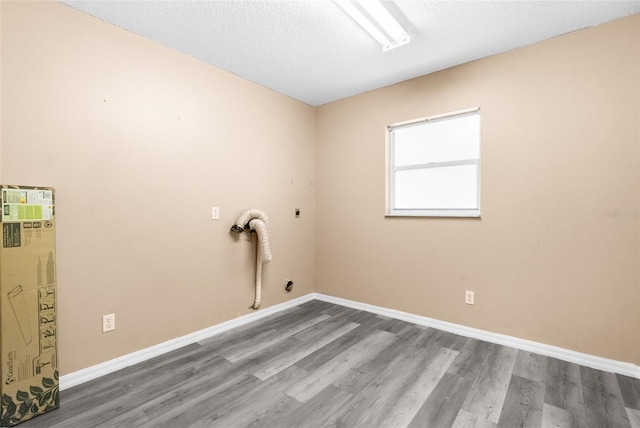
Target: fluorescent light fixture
376	20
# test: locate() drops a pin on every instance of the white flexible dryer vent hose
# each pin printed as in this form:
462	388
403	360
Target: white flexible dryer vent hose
257	221
264	247
247	215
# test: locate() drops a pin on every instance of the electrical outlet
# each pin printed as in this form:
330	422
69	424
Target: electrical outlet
215	213
469	297
108	322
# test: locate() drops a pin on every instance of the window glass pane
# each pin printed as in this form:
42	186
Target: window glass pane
447	139
437	188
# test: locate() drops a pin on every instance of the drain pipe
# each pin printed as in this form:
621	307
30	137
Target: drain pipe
257	222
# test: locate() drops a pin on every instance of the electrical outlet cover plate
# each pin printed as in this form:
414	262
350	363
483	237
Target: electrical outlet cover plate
108	322
469	297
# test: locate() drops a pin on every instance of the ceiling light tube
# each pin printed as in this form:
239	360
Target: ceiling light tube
372	16
363	21
384	19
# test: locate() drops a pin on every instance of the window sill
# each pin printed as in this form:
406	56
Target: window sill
467	213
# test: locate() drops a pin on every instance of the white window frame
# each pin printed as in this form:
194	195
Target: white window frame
391	210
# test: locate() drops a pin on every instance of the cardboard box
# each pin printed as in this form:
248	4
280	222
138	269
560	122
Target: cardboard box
28	319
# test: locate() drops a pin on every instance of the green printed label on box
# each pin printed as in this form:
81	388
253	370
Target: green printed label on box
27	204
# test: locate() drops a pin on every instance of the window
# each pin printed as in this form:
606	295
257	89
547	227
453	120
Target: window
434	166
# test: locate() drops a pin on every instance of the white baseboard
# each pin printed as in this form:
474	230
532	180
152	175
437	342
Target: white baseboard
93	372
588	360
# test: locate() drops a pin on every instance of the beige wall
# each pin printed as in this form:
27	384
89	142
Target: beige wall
140	142
560	151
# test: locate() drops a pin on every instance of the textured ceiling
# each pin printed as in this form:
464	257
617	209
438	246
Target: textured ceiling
313	52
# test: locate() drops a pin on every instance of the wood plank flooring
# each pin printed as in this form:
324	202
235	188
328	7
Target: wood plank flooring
324	365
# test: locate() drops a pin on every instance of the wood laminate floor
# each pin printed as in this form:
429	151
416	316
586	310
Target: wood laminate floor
324	365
